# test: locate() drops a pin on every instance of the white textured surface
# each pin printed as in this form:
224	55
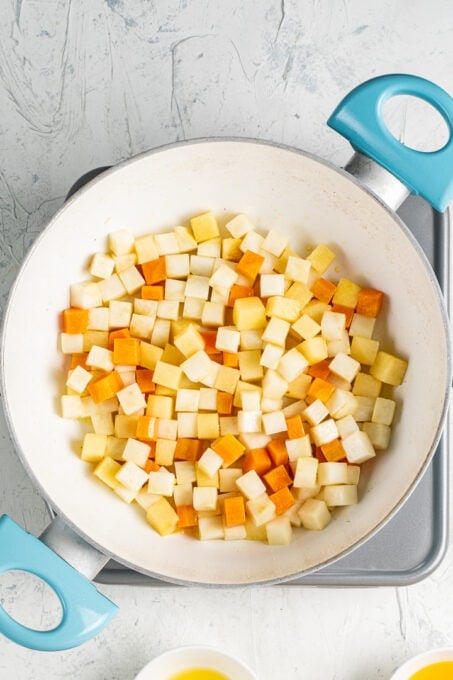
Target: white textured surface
90	83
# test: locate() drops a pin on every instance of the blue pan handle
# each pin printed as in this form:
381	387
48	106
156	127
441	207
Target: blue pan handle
359	118
85	610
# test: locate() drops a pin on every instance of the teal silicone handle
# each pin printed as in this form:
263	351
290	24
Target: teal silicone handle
85	610
359	118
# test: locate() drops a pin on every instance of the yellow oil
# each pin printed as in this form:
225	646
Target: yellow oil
443	670
199	674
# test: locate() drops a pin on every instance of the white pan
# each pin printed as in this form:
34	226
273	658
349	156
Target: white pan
309	200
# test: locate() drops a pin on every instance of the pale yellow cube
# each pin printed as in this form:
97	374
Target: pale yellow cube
205	498
146	249
136	451
207	426
210	248
321	258
249	314
125	426
106	471
389	368
131	279
314	349
189	340
213	314
227	379
121	241
103	424
383	411
85	295
305	327
161	482
366	385
93	447
111	288
231	250
364	349
205	480
167	375
279	531
162	517
379	434
204	227
276	331
120	313
249	365
165	451
186	241
141	326
346	293
131	476
261	509
101	266
149	355
284	308
131	399
71	343
314	514
298	388
123	262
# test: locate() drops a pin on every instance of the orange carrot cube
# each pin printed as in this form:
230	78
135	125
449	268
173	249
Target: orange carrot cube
234	511
105	387
229	448
230	359
118	333
224	403
249	265
277	478
151	466
323	290
258	460
187	516
333	451
152	293
144	379
75	320
146	426
320	389
369	302
209	338
283	499
188	449
295	427
320	370
79	360
154	271
126	351
277	451
237	291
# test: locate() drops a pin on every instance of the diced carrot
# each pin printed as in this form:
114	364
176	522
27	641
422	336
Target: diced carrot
105	387
78	360
258	460
230	359
320	370
319	454
237	291
218	358
369	302
323	290
229	448
347	311
249	265
295	427
210	338
126	351
333	451
151	466
188	449
320	389
75	320
234	511
224	403
154	271
277	451
187	516
152	292
145	431
144	379
118	333
283	499
277	478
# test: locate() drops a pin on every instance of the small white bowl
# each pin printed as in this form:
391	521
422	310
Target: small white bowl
186	658
420	661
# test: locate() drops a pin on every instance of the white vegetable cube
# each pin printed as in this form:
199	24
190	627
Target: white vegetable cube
210	528
315	412
131	476
344	366
166	428
306	327
223	277
142	326
71	406
332	473
208	399
383	411
251	339
299	447
197	366
254	440
93	447
261	509
210	248
272	284
85	295
332	325
165	452
131	279
98	319
275	242
324	433
271	356
186	241
276	331
187	425
250	485
111	288
274	386
225	378
340	495
146	249
71	343
121	242
239	226
131	399
279	531
125	261
193	308
100	357
185	472
136	451
78	379
168	309
342	403
364	409
127	495
197	287
101	266
205	498
251	400
213	314
120	313
346	426
160	335
236	533
249	421
353	475
228	478
210	462
379	434
187	400
342	344
103	424
167	375
251	241
305	474
201	266
314	514
358	447
161	482
183	493
228	339
292	364
362	325
145	499
274	422
166	243
177	266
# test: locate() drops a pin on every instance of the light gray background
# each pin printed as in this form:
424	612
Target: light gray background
92	82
